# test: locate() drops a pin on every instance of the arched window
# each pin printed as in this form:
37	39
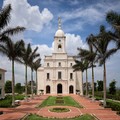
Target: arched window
59	47
47	89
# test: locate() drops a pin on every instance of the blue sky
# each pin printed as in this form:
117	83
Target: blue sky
80	18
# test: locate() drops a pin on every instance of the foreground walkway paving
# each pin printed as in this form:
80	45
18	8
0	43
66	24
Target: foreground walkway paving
22	110
91	107
72	113
29	107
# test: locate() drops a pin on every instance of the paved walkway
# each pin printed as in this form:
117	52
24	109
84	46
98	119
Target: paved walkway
29	107
72	113
22	110
94	108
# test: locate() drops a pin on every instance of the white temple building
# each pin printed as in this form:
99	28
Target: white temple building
56	76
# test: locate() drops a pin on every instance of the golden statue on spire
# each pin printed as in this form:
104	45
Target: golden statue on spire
59	23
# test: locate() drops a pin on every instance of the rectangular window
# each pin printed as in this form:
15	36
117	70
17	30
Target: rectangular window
0	76
48	75
59	64
71	64
59	75
47	64
71	75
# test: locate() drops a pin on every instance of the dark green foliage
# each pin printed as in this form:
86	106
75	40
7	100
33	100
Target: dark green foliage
18	88
8	86
8	100
100	85
114	105
112	87
95	86
82	117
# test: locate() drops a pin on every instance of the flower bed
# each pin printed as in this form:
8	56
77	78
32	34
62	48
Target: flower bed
59	109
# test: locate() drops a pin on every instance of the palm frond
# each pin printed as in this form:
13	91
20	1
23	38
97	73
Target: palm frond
5	16
13	31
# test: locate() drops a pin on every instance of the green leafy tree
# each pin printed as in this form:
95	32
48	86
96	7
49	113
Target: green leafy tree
8	86
18	88
100	85
95	86
112	87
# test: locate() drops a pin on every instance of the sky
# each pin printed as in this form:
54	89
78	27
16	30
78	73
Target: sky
79	19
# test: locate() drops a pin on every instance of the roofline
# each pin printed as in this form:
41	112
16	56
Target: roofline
3	70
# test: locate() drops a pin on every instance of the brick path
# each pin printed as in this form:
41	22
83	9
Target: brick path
72	113
94	108
29	107
22	110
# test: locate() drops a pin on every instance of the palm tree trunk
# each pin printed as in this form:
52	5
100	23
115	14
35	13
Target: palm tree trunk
32	83
86	83
26	82
104	84
92	83
82	84
36	84
13	85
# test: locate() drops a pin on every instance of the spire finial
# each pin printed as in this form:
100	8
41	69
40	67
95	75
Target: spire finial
59	23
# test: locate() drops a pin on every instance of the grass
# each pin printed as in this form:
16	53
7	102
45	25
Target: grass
83	117
68	101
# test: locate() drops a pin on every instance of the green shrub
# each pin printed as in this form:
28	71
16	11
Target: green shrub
19	97
5	103
113	105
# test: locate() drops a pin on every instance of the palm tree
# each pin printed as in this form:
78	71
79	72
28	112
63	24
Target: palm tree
33	56
89	55
79	66
113	19
13	51
86	65
101	43
25	60
36	65
4	20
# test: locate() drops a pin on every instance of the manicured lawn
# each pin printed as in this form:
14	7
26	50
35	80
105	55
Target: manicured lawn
68	101
83	117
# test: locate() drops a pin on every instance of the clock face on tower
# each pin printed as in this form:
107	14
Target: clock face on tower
59	40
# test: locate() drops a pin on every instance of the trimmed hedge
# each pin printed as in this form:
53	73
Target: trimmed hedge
113	105
7	102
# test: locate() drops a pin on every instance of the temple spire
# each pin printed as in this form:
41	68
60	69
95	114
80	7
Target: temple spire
59	23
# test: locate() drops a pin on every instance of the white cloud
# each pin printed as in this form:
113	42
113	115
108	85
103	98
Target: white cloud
23	14
73	42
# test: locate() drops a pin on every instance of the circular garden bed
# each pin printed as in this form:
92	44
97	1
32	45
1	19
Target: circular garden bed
59	110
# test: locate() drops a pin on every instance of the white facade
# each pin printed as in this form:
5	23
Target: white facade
2	83
57	76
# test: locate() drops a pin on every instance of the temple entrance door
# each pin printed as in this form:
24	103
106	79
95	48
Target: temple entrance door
71	89
59	88
47	89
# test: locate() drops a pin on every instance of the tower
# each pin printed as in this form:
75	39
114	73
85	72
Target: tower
59	39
